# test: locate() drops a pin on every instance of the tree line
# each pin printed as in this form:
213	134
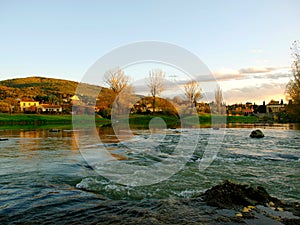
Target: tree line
118	82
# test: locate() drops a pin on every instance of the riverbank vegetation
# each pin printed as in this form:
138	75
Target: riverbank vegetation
293	87
135	120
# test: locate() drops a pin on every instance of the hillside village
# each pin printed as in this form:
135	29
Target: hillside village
52	96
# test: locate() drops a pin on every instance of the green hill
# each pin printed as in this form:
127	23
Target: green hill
48	90
31	87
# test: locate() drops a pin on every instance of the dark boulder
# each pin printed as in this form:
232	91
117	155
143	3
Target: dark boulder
3	139
233	196
230	195
257	134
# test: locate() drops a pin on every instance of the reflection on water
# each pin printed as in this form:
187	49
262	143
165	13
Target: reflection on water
281	126
54	139
111	135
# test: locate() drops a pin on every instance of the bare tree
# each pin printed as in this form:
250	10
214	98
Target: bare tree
219	99
293	87
116	80
193	91
156	84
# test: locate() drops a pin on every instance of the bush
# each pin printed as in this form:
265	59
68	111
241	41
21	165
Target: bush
105	113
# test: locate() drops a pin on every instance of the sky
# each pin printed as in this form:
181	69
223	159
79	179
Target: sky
245	44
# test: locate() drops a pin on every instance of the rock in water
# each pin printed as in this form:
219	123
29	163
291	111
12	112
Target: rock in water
229	195
257	134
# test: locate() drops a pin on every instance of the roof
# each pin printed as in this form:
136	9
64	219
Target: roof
273	102
28	101
50	106
75	97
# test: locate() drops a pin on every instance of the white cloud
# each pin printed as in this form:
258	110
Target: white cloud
256	70
252	72
254	84
255	93
227	74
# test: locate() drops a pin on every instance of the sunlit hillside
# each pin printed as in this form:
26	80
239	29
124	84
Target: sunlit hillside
41	86
46	90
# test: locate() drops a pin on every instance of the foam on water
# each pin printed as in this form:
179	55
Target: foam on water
240	158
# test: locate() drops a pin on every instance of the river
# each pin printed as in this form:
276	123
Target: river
45	179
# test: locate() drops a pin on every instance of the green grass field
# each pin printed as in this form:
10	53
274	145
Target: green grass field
18	121
142	121
4	117
208	119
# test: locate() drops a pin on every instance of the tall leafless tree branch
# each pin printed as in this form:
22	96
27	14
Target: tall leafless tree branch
116	80
156	84
219	99
193	91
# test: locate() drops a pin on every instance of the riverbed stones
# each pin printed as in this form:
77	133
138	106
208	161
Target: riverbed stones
257	134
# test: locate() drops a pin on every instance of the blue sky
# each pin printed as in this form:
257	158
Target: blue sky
244	43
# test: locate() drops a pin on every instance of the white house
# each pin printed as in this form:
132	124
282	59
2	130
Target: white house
47	108
275	106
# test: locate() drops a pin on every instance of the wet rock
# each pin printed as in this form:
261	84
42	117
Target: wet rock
230	195
3	139
194	158
257	134
267	209
287	221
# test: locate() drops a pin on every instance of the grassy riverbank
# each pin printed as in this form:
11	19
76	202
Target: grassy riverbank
18	121
208	119
136	121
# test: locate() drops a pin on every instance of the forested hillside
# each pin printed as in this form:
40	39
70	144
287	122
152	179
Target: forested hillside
47	90
40	86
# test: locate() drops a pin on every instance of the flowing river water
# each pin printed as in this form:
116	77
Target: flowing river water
45	179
